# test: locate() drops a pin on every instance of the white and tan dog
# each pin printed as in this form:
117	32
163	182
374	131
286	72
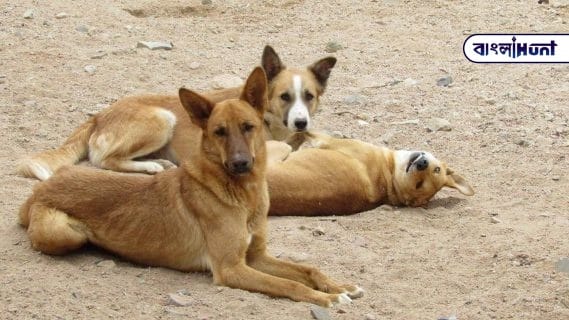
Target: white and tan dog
157	126
329	176
208	214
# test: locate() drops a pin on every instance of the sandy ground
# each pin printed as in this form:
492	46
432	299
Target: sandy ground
509	138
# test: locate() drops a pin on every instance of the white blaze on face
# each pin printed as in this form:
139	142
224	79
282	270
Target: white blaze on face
299	111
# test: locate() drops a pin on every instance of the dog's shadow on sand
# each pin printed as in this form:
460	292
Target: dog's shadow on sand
446	202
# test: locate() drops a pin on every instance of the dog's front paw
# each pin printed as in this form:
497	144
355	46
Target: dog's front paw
166	164
341	298
354	292
153	167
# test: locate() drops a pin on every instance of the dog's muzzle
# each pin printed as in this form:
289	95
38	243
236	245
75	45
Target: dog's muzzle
419	160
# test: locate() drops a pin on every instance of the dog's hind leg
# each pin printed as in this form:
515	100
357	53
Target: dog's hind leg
119	144
54	232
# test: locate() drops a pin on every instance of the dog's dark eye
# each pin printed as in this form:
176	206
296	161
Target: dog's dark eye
247	127
220	132
437	169
419	184
285	97
309	96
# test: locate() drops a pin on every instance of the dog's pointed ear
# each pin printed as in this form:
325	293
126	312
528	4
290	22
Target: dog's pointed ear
322	69
255	91
271	63
198	107
457	182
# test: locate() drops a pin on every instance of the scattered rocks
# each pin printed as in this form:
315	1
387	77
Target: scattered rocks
495	220
106	264
179	300
333	46
61	15
225	81
562	265
90	69
29	14
319	313
155	45
194	65
438	124
444	81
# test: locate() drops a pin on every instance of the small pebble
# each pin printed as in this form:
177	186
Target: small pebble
225	81
363	123
194	65
319	313
82	29
333	46
556	178
495	220
370	316
29	14
444	81
155	45
410	82
438	124
61	15
522	143
207	2
385	207
318	232
30	103
90	69
179	300
563	265
106	264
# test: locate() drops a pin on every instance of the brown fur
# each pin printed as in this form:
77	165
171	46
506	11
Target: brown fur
157	126
329	176
206	214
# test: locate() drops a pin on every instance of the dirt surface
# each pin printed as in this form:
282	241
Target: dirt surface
509	138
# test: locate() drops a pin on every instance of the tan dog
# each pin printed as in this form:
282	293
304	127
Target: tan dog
158	126
210	213
329	176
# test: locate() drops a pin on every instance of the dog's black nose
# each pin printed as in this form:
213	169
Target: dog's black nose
422	164
301	124
240	166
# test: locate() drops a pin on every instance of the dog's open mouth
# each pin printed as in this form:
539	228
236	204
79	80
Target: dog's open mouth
414	157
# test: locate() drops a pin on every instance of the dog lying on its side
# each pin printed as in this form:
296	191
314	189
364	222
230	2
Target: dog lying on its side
158	126
209	213
329	176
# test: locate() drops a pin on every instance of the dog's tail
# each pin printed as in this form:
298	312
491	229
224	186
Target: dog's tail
43	165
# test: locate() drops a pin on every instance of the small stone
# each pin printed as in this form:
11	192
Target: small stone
556	178
29	14
82	29
549	116
179	300
225	81
490	101
319	313
61	15
385	207
354	99
90	69
99	55
495	220
30	103
412	121
219	289
297	256
341	311
563	265
318	232
444	81
559	3
522	143
370	316
362	123
410	82
155	45
194	65
207	2
438	124
106	264
333	46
